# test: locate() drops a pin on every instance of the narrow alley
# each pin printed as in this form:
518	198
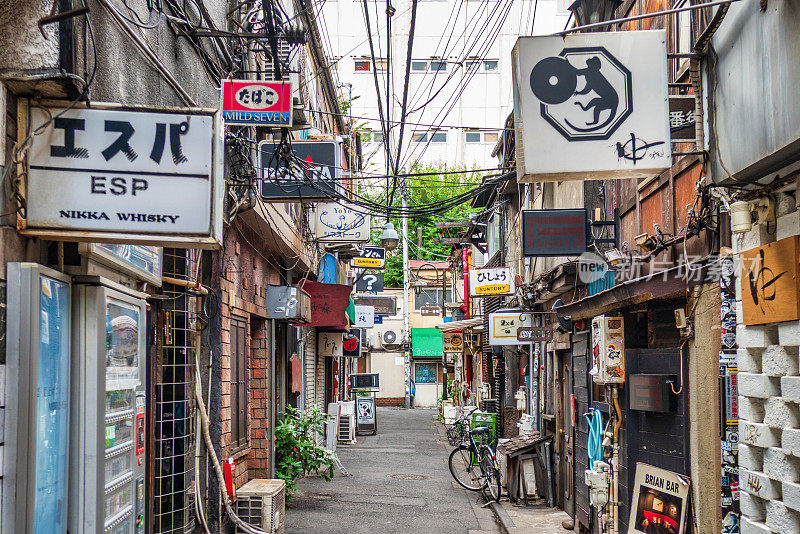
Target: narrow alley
399	483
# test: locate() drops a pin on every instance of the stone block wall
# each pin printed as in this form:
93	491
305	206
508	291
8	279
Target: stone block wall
769	402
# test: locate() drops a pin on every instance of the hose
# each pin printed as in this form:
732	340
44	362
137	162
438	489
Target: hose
595	440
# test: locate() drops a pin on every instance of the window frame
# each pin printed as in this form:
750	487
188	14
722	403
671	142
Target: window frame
362	61
472	132
435	133
239	382
419	62
448	295
419	136
486	67
441	62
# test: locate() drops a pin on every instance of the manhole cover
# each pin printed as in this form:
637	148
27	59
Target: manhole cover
409	477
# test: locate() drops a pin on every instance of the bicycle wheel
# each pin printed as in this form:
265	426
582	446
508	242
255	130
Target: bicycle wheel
467	474
491	474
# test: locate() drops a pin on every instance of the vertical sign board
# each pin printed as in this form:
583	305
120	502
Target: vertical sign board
554	232
351	344
313	173
330	344
453	341
365	316
681	118
337	223
257	103
771	282
120	175
503	325
591	106
660	501
491	281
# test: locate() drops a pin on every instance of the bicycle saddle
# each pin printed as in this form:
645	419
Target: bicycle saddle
480	430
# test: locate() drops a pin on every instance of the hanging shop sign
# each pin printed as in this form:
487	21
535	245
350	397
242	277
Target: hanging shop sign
351	344
140	261
330	344
660	501
532	334
554	232
770	277
591	106
370	257
382	305
370	283
681	118
453	341
365	316
503	326
114	175
337	223
257	103
312	174
492	281
430	311
328	303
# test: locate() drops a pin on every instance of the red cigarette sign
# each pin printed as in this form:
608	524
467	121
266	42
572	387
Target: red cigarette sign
256	103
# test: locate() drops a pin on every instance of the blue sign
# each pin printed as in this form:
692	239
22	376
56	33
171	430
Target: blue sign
378	319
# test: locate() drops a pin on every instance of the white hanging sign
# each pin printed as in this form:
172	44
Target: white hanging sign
365	316
591	106
491	281
123	175
330	344
337	223
503	325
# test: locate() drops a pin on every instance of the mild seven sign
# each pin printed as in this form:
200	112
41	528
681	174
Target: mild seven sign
122	175
256	103
591	105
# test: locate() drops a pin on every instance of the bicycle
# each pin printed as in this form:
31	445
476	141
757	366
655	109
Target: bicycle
455	432
474	466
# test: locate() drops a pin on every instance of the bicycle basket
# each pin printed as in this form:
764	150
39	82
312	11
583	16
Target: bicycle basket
455	434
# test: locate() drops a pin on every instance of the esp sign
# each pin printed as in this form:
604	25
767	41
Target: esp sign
120	175
370	257
493	281
257	103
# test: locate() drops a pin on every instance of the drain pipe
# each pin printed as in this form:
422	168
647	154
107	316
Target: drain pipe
615	460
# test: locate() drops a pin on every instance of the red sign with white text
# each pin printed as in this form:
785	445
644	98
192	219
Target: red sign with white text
257	103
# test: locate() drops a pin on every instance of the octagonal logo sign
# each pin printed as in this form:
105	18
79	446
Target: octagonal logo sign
585	93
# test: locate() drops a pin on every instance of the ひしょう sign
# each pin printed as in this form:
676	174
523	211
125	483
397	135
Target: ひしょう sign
491	281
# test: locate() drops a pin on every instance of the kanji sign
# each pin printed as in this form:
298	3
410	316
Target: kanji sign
593	105
257	103
530	334
108	174
330	344
337	223
365	316
311	175
681	118
492	281
503	325
371	257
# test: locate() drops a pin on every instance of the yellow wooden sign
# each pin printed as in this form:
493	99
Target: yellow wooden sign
770	277
493	289
367	262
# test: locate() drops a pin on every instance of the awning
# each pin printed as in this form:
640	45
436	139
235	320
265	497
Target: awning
328	303
460	325
426	343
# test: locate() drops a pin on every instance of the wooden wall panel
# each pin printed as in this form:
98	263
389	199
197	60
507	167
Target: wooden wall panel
652	211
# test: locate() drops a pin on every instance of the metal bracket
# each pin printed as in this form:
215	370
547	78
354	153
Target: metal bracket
54	17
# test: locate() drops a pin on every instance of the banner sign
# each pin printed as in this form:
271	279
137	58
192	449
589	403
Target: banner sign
660	501
330	344
365	316
370	257
554	232
593	105
120	175
328	303
257	103
503	326
337	223
370	283
313	174
493	281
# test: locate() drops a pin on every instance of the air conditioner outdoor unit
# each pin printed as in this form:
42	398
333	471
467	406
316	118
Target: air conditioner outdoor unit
390	338
261	503
347	422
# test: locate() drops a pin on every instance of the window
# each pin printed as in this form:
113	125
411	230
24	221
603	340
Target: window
491	65
377	136
366	136
238	382
473	64
439	137
381	65
426	372
490	137
429	296
419	137
681	39
419	66
473	137
437	65
363	65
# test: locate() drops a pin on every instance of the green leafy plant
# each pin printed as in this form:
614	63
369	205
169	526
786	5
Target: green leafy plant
296	451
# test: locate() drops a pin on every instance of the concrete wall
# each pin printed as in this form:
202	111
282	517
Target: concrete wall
769	389
391	377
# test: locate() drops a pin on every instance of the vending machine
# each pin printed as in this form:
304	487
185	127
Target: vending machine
107	438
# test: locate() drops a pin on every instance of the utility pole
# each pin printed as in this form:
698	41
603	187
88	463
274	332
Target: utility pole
406	311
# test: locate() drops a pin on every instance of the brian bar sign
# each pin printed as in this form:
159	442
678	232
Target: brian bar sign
255	103
591	106
123	175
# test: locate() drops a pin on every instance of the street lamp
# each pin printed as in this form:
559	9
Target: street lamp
593	11
389	237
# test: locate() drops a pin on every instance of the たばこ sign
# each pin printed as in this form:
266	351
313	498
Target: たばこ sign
257	103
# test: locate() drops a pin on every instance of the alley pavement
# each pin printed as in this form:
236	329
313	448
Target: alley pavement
400	483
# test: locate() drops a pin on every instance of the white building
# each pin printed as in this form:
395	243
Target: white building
460	87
